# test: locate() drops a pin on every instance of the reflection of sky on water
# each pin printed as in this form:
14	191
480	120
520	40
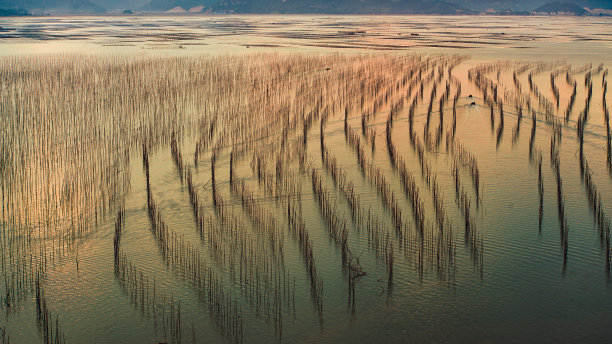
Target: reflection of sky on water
576	39
523	296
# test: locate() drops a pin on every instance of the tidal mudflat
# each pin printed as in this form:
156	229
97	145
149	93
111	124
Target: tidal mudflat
305	179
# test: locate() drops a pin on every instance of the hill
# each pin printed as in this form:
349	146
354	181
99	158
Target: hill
364	6
165	5
313	6
561	8
523	5
53	6
117	5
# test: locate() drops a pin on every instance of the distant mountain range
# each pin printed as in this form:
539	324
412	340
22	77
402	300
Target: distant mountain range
165	5
561	8
339	6
115	5
53	6
364	6
525	5
16	7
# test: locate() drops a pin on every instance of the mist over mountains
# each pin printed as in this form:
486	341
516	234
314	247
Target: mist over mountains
301	6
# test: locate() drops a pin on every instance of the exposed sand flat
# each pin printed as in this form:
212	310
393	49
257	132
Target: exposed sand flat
576	39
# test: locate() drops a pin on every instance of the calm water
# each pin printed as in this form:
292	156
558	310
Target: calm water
523	289
575	39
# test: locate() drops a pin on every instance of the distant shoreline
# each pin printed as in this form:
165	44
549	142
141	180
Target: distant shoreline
212	14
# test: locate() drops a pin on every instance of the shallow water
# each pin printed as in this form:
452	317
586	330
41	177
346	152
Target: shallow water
575	39
522	287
